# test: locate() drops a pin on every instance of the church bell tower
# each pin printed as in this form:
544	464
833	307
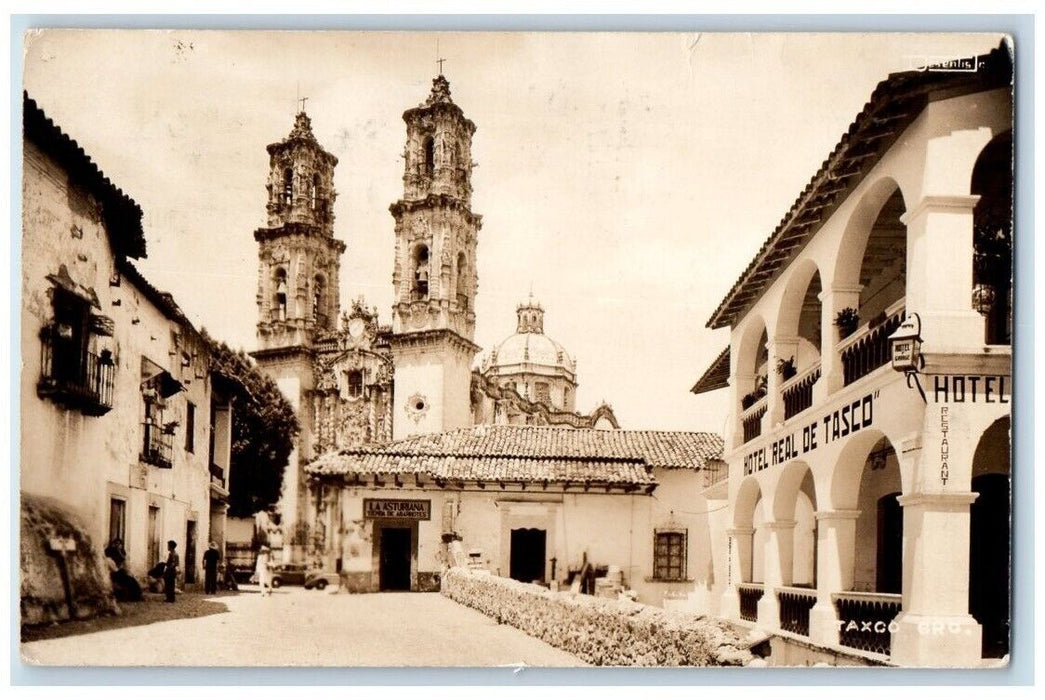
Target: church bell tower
298	255
433	315
298	266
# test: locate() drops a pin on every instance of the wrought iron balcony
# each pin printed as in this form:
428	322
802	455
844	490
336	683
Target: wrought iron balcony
78	380
751	419
865	619
750	594
795	604
868	348
158	447
798	391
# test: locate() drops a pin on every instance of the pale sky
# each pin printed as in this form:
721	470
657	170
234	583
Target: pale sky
629	178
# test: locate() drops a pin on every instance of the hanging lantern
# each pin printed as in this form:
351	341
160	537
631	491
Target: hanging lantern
983	298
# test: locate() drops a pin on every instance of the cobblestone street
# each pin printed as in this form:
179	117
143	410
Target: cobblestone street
308	628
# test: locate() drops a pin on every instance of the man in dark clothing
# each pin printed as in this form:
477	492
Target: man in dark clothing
210	568
170	571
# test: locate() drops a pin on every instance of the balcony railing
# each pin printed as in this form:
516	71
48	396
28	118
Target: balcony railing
868	348
217	476
798	391
158	448
864	620
752	420
750	594
78	380
795	604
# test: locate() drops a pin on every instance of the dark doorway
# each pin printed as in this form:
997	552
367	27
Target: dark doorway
527	554
989	562
190	551
395	559
889	577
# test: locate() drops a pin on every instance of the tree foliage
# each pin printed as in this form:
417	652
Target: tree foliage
263	430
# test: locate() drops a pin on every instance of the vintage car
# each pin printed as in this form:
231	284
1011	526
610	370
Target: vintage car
321	579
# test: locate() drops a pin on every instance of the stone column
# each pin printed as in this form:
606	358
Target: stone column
939	271
832	300
739	567
934	627
780	348
780	550
835	548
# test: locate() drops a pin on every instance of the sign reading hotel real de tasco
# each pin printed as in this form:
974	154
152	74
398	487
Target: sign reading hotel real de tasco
843	421
396	508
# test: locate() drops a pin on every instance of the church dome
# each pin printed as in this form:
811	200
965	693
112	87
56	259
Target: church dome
529	349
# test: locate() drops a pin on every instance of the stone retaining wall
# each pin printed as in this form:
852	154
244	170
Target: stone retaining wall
599	631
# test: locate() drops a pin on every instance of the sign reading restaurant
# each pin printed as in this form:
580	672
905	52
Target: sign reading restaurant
396	508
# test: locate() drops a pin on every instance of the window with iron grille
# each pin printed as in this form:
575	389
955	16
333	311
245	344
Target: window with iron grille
669	555
190	426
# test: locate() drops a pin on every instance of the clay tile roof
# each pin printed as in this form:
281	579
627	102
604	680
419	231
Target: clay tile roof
716	376
122	215
895	103
530	454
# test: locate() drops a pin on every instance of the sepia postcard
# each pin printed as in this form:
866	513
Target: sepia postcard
371	349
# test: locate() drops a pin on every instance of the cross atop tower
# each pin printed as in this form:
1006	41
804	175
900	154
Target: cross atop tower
302	100
440	61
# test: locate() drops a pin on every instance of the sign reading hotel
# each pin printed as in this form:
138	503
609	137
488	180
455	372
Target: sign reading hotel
396	508
971	388
843	421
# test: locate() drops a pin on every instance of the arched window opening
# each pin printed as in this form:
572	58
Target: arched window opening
313	193
355	383
420	290
879	527
883	270
429	153
992	239
809	331
288	186
319	301
280	301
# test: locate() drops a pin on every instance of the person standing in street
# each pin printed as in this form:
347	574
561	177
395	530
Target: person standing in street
264	571
210	568
170	571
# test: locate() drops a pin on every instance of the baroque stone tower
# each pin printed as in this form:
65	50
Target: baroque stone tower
298	265
299	258
433	315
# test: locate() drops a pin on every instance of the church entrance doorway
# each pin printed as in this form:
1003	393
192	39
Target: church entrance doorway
528	546
395	558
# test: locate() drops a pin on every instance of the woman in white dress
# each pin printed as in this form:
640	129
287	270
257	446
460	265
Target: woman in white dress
263	569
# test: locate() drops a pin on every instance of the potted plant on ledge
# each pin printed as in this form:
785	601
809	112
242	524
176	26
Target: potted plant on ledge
786	368
847	320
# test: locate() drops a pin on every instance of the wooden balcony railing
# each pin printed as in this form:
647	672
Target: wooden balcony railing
750	594
868	348
795	604
78	380
751	419
865	619
798	391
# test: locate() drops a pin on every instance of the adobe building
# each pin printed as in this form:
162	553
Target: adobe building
527	502
125	430
865	509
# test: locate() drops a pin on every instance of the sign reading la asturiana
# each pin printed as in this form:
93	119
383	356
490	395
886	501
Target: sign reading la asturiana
396	508
847	419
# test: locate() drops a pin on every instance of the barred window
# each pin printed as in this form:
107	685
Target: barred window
669	555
